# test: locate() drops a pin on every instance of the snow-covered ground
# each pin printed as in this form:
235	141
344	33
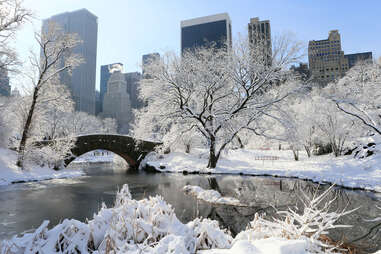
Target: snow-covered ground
345	170
10	173
151	226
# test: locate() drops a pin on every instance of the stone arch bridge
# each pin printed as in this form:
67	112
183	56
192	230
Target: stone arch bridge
131	150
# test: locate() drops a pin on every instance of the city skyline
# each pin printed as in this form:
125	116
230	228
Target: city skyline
131	31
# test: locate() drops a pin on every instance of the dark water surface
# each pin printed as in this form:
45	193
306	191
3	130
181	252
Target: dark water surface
23	207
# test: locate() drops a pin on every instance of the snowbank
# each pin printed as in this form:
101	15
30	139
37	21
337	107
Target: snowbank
344	171
10	173
210	196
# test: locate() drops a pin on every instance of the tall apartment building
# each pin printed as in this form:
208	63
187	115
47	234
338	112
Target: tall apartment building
203	31
105	76
355	58
5	88
260	39
82	81
326	59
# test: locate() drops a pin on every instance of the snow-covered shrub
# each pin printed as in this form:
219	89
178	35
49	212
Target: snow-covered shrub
209	235
145	222
311	224
69	237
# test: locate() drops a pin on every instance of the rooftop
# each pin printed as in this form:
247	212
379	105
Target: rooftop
206	19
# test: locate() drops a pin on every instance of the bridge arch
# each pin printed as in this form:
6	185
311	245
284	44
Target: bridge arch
131	150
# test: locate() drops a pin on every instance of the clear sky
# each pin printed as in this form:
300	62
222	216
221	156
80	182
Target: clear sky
127	29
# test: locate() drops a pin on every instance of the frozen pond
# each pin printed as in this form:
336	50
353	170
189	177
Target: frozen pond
24	206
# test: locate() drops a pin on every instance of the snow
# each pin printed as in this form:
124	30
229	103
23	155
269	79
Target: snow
264	246
344	171
210	196
10	173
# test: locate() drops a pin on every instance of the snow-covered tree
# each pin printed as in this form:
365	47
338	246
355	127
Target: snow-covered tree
82	123
295	124
12	16
217	92
56	57
358	95
109	125
334	127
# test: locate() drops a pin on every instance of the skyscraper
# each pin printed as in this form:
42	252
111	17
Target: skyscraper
105	76
200	32
326	59
5	88
260	39
82	81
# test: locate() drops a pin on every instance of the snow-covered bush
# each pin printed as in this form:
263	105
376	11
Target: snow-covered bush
209	235
310	224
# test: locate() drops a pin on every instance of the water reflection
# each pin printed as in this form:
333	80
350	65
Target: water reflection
25	206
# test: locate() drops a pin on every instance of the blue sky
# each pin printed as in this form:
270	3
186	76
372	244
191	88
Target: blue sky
127	29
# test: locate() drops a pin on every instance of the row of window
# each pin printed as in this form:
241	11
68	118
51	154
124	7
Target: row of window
328	53
328	69
325	42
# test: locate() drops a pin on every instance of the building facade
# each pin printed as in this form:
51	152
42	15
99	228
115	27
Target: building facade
133	82
116	102
5	88
326	59
82	81
204	31
357	57
105	76
259	34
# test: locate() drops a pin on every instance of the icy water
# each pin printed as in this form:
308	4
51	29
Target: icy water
23	207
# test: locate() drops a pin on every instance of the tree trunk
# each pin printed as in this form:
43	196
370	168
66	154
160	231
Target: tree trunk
25	134
240	142
212	153
335	149
187	148
296	154
308	151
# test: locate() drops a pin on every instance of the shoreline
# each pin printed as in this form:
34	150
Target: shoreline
155	170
